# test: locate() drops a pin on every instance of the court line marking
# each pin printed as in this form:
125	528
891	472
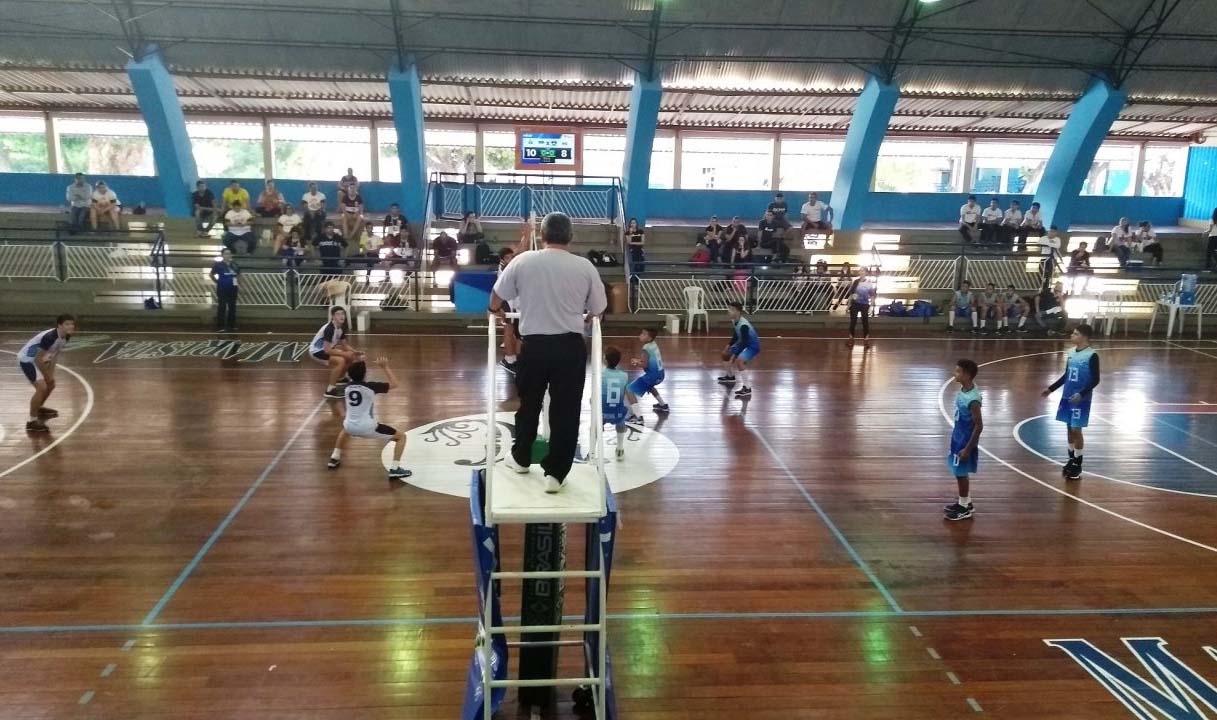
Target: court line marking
67	433
1184	347
86	698
228	519
1184	458
1158	419
943	409
832	527
974	705
616	617
1026	446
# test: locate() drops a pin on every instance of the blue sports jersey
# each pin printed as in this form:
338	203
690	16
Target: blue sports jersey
963	300
963	418
1077	372
744	336
864	293
613	382
654	366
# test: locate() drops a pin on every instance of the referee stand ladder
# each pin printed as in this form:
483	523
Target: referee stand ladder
501	497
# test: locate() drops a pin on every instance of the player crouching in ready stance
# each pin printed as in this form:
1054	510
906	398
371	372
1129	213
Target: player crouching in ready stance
360	421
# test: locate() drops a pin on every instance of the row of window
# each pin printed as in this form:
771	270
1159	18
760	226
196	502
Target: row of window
722	161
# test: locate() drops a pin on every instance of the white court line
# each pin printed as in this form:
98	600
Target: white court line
943	409
88	409
1184	347
1018	437
1184	458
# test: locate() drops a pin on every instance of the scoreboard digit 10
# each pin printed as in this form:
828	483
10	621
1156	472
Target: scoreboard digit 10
552	149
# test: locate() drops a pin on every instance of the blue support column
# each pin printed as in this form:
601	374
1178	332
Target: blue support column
158	102
406	95
639	140
851	192
1089	122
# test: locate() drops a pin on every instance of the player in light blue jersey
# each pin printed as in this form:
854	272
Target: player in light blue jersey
964	438
648	382
744	347
1080	379
613	383
962	304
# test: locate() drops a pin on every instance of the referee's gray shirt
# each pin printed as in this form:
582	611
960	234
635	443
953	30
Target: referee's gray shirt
553	289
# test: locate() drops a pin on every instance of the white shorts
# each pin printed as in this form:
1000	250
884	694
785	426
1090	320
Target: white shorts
368	431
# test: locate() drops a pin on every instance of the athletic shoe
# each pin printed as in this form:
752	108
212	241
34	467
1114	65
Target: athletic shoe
334	393
47	413
726	379
1022	328
744	392
866	343
1069	467
950	328
1073	471
344	380
635	420
36	426
850	342
620	454
399	473
958	512
660	407
552	485
333	463
508	366
223	331
514	466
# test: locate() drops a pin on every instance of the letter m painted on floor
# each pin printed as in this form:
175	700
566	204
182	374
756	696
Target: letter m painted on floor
1170	694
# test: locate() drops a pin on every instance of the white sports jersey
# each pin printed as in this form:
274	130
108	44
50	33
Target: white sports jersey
48	341
329	332
361	403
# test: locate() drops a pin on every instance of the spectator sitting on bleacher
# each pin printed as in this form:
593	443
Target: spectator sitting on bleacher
238	229
347	181
715	227
331	246
1079	260
232	195
712	241
1032	224
1009	225
779	209
79	197
990	222
1147	239
1122	237
351	203
204	202
104	205
471	229
395	224
735	230
701	255
772	237
821	268
816	215
969	220
445	247
270	202
1050	308
288	243
741	251
314	213
289	222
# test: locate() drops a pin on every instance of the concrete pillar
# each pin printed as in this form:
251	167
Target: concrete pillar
639	143
158	102
406	96
852	190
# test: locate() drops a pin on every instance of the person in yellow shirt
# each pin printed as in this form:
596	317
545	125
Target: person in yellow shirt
235	195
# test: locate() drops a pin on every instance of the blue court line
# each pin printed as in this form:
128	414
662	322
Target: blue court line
616	617
874	579
232	514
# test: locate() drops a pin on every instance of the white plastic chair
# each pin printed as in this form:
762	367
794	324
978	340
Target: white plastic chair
695	307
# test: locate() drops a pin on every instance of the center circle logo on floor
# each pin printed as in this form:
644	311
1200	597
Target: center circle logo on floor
444	454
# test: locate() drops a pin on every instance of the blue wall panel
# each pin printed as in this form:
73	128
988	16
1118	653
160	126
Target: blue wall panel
1200	188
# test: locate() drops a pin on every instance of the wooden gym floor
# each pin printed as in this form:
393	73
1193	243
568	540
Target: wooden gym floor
177	549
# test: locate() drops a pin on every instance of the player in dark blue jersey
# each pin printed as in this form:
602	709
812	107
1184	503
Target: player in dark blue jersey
964	438
1080	379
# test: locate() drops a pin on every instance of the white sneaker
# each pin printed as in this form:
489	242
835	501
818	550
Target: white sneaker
620	454
552	485
514	466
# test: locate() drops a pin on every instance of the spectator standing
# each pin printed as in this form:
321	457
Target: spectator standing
1147	239
314	213
79	198
348	180
1032	224
969	220
351	203
780	210
224	274
104	205
471	229
204	202
1210	249
554	288
1050	249
1010	223
1122	236
635	242
331	247
270	202
239	230
816	215
990	222
232	195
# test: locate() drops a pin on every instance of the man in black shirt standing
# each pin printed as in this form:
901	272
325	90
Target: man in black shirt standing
204	202
331	246
779	209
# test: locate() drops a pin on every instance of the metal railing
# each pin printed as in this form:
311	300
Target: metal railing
586	198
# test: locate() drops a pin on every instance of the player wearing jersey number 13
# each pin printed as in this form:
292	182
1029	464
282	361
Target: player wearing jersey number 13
1080	379
360	421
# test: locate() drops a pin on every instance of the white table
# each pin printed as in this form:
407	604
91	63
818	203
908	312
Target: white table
1174	308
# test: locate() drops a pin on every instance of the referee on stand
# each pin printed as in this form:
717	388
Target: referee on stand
553	290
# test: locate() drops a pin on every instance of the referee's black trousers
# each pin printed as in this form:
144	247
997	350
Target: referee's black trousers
557	363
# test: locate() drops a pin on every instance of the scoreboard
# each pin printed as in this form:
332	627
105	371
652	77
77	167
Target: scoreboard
551	149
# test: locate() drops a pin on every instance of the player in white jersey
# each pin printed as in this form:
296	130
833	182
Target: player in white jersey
37	360
330	347
360	421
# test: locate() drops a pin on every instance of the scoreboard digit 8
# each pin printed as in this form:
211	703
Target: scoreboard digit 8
550	149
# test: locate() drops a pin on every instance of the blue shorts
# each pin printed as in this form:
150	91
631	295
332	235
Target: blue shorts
614	414
748	353
1075	416
321	355
1013	311
643	384
961	469
32	373
964	312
